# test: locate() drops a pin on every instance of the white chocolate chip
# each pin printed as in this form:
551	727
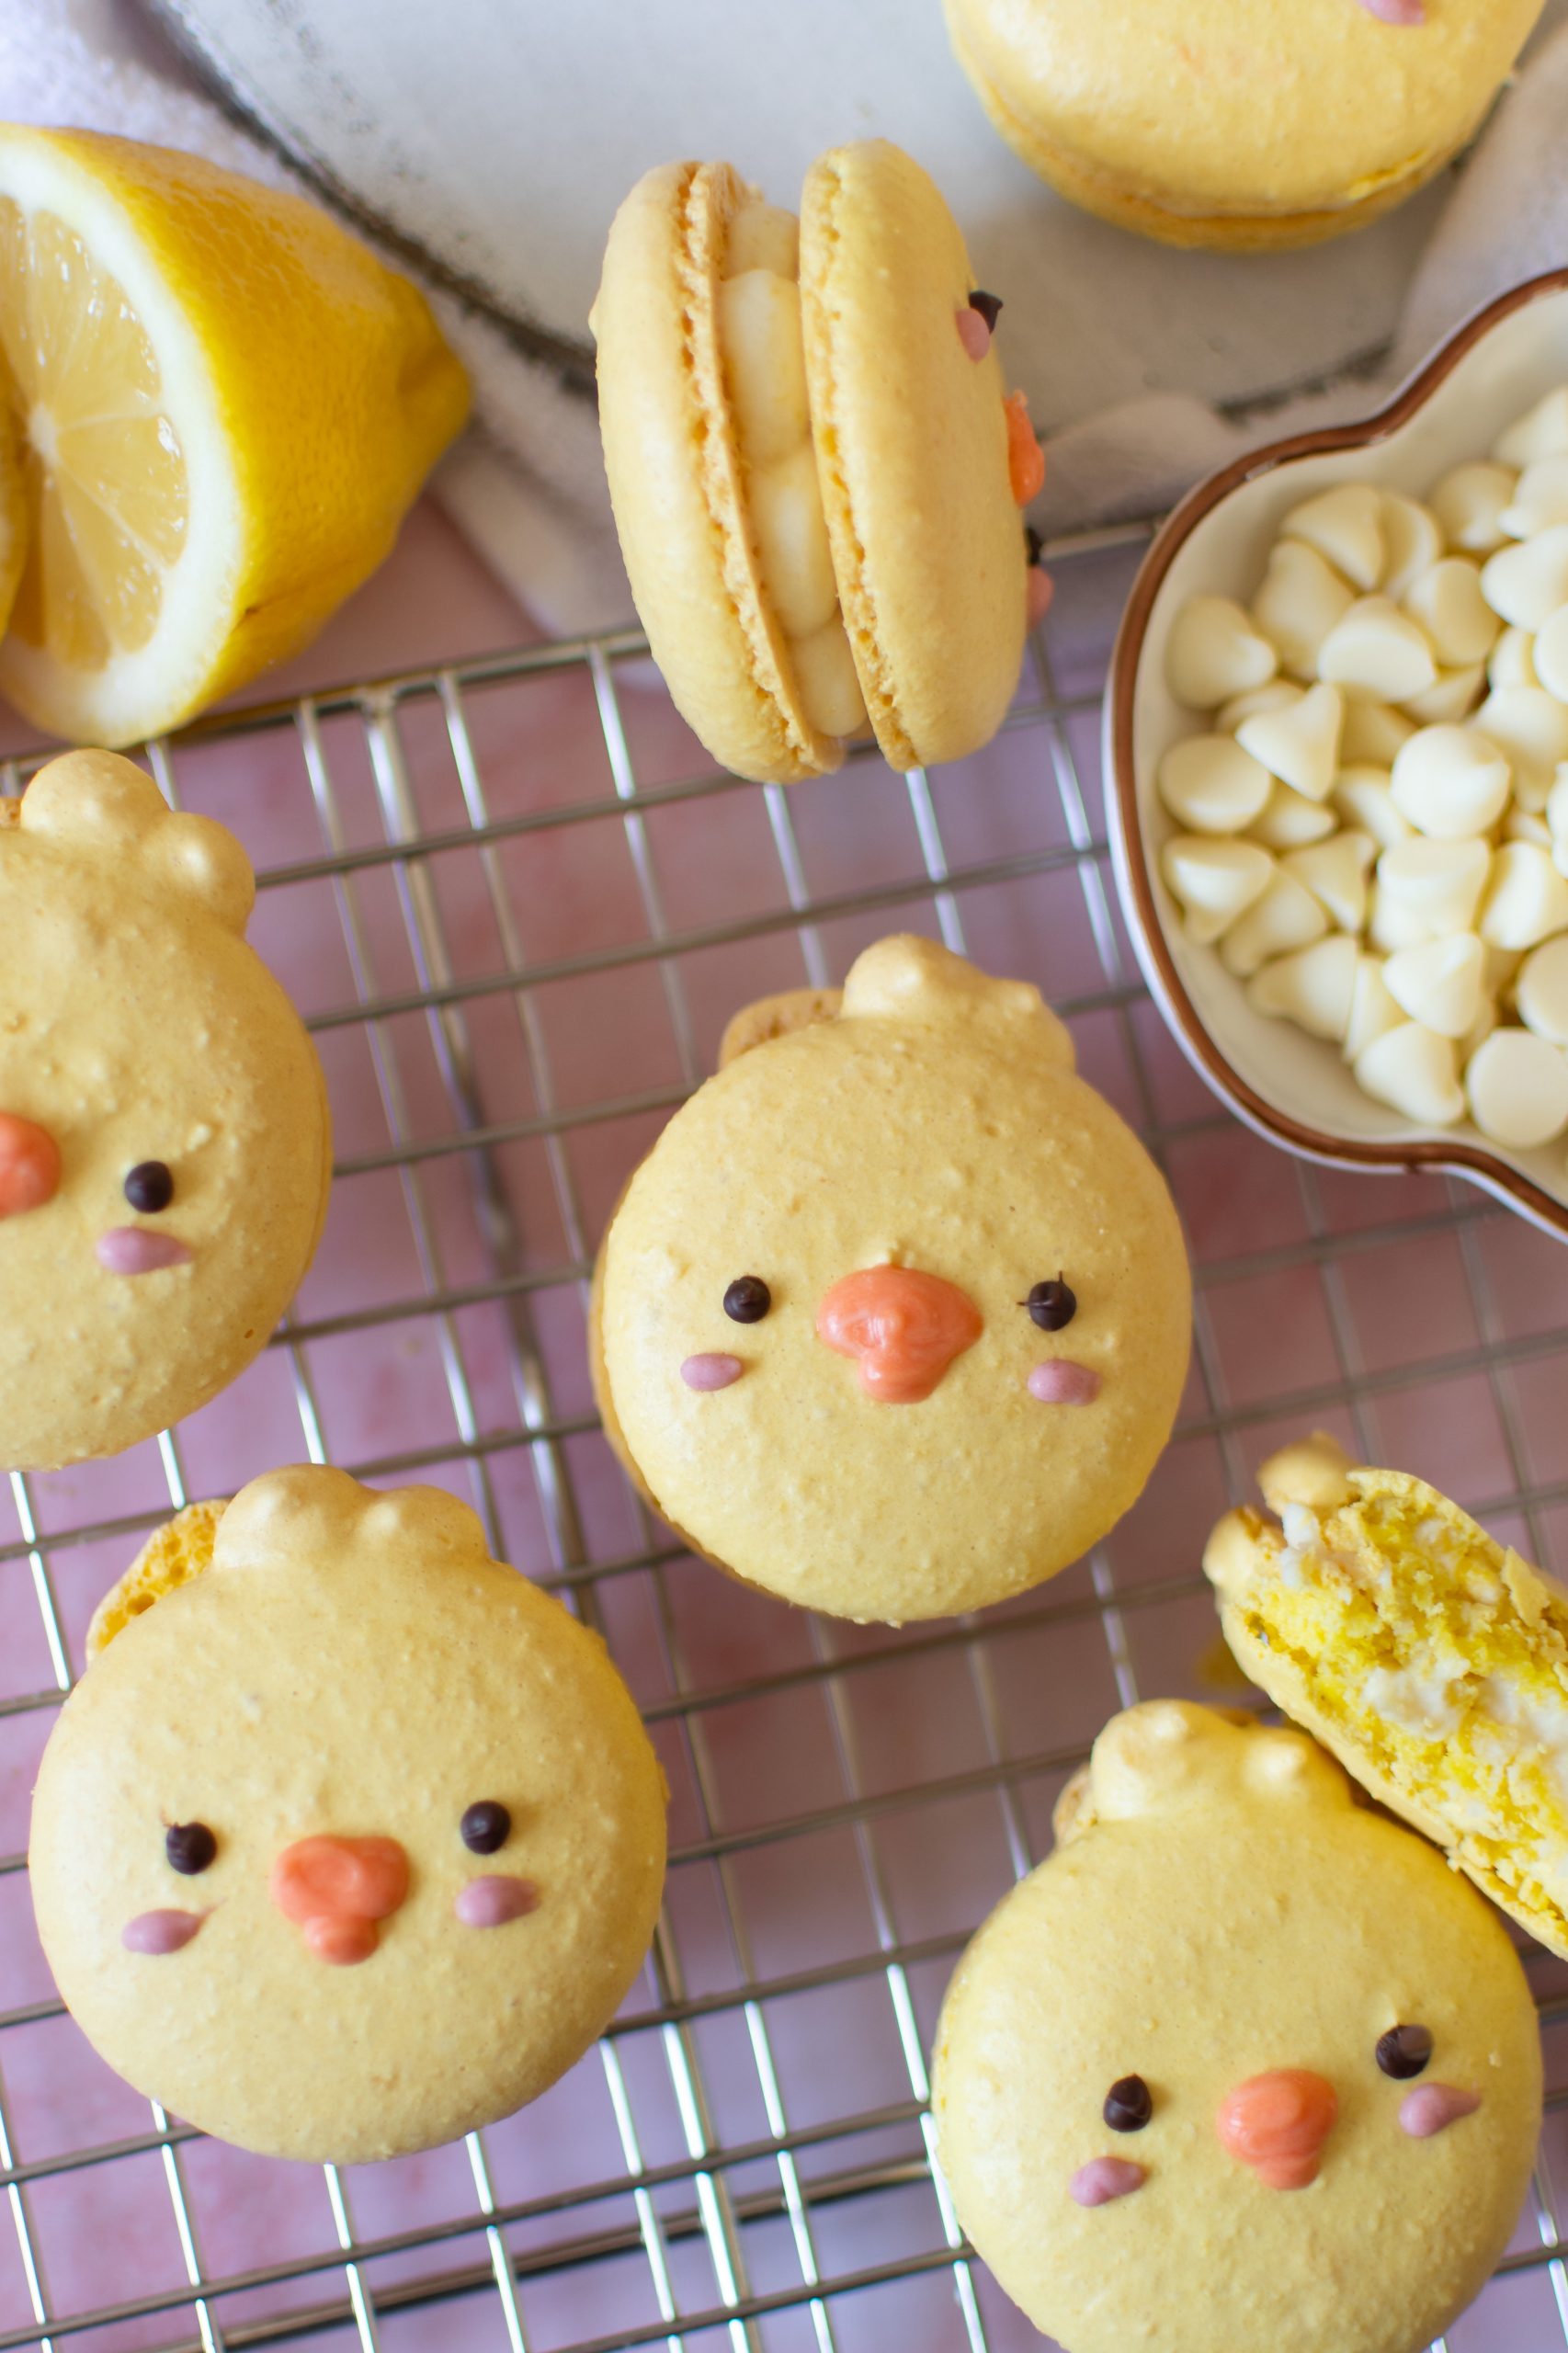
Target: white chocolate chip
1289	821
791	539
1392	922
1479	1028
1512	661
1312	988
1283	917
830	687
1345	525
1540	498
1448	605
1275	696
1300	600
1215	882
1468	502
1527	899
765	365
1549	653
1372	1011
1211	786
1213	652
1335	872
763	236
1527	582
1520	825
1436	884
1541	991
1502	963
1517	1085
1372	735
1453	697
1556	809
1364	799
1413	538
1416	1073
1450	782
1299	744
1439	983
1379	651
1542	432
1530	728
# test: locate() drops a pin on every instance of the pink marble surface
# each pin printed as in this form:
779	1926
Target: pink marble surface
1377	1307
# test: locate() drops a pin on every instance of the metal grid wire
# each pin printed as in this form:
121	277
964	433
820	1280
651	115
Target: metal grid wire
746	2162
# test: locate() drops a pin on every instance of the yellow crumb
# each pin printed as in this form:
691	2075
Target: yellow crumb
172	1556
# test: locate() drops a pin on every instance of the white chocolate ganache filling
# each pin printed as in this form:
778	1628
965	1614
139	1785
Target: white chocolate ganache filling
763	359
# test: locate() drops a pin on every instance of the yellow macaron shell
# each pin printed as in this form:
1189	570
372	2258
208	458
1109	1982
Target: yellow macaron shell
352	1665
912	453
136	1025
1220	1910
1236	122
1432	1660
934	1125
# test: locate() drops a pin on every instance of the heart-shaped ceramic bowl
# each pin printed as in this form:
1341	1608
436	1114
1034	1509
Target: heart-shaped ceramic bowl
1289	1087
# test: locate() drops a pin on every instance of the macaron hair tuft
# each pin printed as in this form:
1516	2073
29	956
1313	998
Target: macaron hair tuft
100	805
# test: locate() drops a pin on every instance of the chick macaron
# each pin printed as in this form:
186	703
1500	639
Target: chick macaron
815	470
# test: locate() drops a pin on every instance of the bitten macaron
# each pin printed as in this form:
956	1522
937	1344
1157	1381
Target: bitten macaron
815	472
894	1319
1246	124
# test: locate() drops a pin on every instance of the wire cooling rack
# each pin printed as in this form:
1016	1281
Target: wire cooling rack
517	905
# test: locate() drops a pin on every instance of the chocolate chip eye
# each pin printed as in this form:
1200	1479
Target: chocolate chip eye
485	1826
189	1846
1129	2104
1034	546
988	306
149	1188
1051	1304
1403	2051
747	1300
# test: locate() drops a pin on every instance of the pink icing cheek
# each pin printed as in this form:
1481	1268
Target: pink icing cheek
973	333
1060	1381
1104	2178
137	1250
1039	590
490	1902
1397	12
712	1372
1431	2108
160	1932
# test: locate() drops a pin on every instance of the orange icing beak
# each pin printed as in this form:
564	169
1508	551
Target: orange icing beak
336	1890
1026	459
29	1165
905	1328
1277	2124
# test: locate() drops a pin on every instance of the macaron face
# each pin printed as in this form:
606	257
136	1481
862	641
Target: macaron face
808	456
164	1140
1240	2054
353	1841
1238	122
894	1320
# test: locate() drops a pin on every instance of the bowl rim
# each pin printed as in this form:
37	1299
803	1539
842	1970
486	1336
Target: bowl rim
1456	1157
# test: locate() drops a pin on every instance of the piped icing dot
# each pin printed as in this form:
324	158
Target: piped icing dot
149	1188
710	1370
973	333
1403	2051
1129	2104
190	1846
989	307
1051	1305
1104	2178
160	1932
1431	2108
747	1300
1060	1381
135	1250
485	1826
1026	459
491	1902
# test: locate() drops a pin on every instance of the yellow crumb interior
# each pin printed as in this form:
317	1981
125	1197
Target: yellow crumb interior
1444	1663
171	1557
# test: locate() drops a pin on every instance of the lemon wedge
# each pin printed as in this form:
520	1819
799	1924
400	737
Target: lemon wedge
223	405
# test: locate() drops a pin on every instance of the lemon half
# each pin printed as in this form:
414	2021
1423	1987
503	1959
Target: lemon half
224	407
